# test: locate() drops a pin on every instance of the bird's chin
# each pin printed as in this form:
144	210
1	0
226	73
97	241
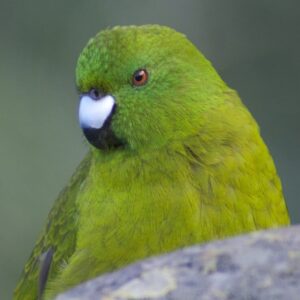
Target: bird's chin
103	139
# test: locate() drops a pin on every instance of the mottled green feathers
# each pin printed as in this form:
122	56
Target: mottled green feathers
192	166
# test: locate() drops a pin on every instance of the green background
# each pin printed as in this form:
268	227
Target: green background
254	45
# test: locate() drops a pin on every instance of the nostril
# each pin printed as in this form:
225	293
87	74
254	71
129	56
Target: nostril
95	94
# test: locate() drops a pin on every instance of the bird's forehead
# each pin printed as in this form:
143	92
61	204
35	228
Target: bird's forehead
117	52
120	44
131	41
109	49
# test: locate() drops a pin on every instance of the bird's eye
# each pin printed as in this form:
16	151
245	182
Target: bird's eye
140	77
94	94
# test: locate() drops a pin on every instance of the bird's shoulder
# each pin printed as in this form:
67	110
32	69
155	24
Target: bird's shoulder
59	235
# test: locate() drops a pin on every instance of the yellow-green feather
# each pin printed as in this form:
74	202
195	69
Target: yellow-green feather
191	191
58	234
194	167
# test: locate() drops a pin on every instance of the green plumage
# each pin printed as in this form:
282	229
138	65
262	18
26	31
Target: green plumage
192	167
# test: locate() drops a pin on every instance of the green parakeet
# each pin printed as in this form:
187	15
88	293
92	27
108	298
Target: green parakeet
175	159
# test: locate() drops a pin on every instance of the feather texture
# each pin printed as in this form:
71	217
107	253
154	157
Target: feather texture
193	166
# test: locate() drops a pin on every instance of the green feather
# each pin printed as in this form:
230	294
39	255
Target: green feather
58	234
193	167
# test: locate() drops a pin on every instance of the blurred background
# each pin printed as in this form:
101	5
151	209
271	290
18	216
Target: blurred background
254	45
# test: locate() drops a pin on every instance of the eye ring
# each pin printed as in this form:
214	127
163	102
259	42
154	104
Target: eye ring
140	77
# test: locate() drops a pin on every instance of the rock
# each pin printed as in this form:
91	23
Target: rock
261	265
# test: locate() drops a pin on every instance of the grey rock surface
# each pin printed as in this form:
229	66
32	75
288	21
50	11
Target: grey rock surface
261	265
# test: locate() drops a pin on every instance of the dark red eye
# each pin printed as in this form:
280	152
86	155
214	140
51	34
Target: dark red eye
140	77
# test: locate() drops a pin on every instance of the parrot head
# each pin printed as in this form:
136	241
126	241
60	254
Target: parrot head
142	87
